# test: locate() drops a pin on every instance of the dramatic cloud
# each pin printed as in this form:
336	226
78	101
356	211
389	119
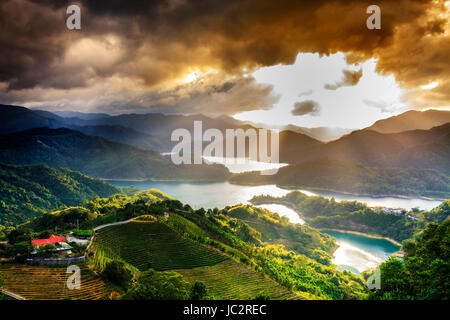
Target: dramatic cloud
350	78
146	48
208	95
306	107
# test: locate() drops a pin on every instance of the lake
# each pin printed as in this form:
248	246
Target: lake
221	194
239	165
356	253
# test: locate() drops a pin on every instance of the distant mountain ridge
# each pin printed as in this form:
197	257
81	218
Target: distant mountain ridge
80	115
412	120
426	149
16	119
97	157
414	148
145	131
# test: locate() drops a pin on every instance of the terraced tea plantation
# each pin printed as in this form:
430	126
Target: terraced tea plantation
49	283
232	280
154	245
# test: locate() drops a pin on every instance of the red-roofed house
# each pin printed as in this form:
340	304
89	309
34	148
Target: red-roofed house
52	240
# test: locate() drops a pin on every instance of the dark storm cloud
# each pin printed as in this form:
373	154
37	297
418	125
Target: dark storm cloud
157	42
306	107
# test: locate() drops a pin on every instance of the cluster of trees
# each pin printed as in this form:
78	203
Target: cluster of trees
316	280
438	214
425	272
151	284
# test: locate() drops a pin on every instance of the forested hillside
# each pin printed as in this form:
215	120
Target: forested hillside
28	191
97	157
425	272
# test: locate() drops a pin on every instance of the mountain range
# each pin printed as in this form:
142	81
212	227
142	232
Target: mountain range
426	149
97	157
412	120
128	146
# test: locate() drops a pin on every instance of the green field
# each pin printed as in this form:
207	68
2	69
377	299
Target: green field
233	280
153	245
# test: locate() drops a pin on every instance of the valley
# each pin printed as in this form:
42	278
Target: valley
311	231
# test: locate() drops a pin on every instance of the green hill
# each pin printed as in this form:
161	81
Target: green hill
222	248
153	245
277	230
200	244
28	191
230	280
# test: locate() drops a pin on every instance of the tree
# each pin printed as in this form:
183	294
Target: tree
198	291
200	211
117	272
262	296
321	257
154	285
44	235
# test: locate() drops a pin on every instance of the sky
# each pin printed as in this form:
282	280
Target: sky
308	63
326	91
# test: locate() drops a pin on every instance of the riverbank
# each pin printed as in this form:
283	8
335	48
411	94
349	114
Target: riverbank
159	180
289	187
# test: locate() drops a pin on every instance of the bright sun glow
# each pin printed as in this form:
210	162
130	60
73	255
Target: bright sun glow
430	85
191	77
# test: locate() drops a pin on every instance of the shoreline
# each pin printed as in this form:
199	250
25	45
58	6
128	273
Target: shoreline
285	187
297	188
358	233
157	180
